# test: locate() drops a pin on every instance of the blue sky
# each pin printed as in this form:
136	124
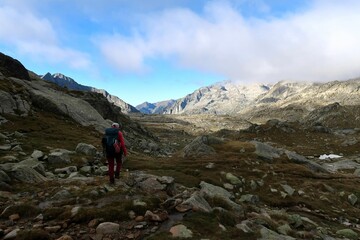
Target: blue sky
154	50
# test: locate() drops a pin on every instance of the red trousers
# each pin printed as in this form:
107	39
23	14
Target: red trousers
111	162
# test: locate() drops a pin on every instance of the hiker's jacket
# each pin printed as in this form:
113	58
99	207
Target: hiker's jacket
122	143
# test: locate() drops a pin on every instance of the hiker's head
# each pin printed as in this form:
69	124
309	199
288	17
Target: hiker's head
115	125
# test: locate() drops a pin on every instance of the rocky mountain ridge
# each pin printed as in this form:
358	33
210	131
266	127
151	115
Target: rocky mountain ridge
68	82
284	100
155	108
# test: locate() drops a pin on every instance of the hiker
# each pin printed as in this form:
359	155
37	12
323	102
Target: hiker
114	144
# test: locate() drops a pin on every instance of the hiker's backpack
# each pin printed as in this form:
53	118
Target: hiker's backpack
110	142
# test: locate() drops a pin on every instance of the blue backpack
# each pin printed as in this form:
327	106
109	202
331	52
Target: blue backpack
108	141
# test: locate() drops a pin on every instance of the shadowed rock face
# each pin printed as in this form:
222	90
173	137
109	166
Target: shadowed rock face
10	67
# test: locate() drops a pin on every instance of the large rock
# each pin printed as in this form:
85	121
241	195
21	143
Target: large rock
197	203
107	228
200	146
34	164
234	180
181	231
86	149
37	154
26	174
340	165
212	191
296	158
266	152
267	234
29	171
152	185
58	158
13	104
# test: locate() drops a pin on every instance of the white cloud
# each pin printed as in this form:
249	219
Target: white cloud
35	36
320	43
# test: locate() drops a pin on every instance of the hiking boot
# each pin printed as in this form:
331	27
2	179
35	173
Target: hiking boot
117	175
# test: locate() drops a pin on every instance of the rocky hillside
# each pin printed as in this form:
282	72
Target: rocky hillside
30	96
69	83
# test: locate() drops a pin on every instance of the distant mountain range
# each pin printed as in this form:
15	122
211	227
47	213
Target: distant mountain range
283	100
68	82
255	102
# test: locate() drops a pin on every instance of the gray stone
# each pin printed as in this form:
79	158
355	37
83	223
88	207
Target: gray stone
197	202
151	185
107	228
228	186
357	172
13	104
58	158
17	148
62	194
12	234
284	229
3	136
250	198
340	165
288	189
85	170
267	234
233	179
5	147
295	220
66	170
26	174
37	154
210	190
34	164
266	152
75	175
348	233
199	147
296	158
86	149
210	165
244	226
18	134
352	198
181	231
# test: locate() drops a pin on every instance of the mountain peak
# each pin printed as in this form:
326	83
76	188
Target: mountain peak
65	81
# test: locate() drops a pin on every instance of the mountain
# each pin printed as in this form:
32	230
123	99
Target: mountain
284	100
64	81
221	98
155	108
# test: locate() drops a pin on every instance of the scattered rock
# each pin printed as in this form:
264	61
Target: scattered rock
107	228
86	149
181	231
352	198
348	233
